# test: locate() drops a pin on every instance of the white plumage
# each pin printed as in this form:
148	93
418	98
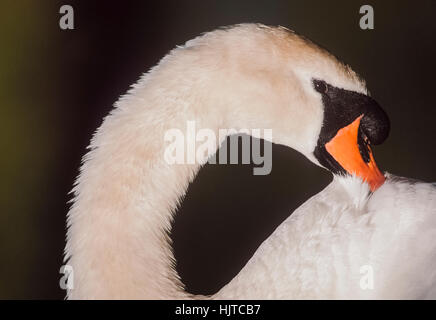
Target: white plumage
320	251
248	76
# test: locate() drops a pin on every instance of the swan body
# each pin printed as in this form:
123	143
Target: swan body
250	76
324	249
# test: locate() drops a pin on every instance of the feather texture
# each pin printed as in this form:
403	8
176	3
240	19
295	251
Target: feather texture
247	76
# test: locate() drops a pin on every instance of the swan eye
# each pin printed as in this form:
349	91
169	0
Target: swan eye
320	86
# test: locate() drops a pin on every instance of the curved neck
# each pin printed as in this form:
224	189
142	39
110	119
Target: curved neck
126	193
125	197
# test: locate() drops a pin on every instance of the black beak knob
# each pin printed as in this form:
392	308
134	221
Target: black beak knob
375	123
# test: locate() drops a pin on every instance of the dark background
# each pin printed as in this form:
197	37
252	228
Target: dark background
56	86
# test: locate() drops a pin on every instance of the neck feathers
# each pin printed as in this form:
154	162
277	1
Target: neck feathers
124	200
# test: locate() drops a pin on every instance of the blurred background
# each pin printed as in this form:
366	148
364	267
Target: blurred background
57	85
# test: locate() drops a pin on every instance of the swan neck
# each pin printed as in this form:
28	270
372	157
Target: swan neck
125	196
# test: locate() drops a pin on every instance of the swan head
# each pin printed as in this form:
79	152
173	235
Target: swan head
272	78
352	122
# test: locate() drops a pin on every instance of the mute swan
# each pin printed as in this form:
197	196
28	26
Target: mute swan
251	76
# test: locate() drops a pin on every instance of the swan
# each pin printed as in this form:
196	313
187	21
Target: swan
251	76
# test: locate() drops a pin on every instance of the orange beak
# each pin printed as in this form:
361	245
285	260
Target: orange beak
345	150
